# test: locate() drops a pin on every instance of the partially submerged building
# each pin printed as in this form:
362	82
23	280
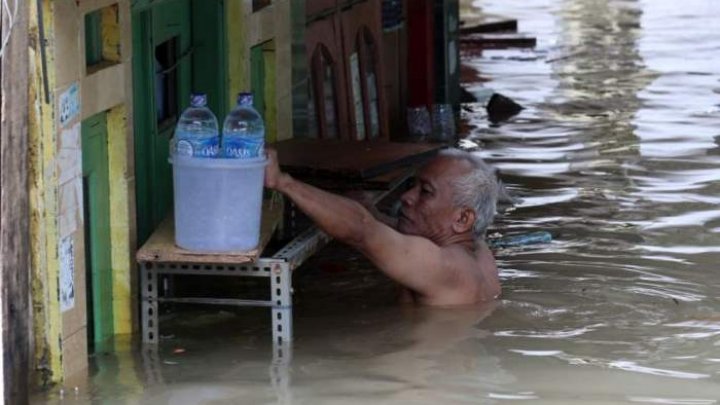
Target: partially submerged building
107	80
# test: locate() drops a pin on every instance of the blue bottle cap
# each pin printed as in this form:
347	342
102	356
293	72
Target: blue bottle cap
245	98
198	99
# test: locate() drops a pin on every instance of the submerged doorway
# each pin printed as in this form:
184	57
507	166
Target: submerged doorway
96	212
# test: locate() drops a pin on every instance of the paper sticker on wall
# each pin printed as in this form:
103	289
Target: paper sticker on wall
67	274
69	159
71	207
69	106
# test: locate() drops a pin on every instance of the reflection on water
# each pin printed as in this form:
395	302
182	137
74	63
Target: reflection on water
616	154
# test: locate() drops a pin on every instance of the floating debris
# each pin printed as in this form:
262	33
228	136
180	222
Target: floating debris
520	240
500	108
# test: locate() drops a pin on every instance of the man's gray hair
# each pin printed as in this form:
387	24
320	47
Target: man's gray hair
477	190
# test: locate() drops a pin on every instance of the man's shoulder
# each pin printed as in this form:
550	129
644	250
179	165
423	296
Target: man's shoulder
471	277
478	262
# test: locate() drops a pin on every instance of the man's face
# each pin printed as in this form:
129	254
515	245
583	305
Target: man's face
427	208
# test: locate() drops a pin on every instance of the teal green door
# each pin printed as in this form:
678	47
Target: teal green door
178	47
161	72
98	274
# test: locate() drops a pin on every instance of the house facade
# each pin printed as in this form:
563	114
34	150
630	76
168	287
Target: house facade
107	81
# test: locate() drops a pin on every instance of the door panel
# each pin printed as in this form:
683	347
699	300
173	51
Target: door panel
97	229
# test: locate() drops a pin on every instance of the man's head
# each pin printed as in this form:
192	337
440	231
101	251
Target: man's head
454	196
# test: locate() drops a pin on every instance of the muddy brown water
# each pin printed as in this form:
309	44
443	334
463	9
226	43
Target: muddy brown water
617	154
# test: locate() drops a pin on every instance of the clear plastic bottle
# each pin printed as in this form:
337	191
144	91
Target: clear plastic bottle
243	134
196	133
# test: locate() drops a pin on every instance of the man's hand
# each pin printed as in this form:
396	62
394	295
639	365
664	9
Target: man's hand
273	174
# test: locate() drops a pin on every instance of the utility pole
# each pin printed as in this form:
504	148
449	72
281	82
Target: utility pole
14	203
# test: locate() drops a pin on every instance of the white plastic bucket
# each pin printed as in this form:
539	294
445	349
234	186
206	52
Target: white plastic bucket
218	203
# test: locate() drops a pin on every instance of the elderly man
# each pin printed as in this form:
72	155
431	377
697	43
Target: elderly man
437	250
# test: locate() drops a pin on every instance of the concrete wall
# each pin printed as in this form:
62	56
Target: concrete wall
56	175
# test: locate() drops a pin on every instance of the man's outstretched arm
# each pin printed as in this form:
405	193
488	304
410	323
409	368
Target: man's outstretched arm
412	261
342	218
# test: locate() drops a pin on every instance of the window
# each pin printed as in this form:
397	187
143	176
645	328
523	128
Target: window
392	15
93	39
367	50
102	38
166	92
324	86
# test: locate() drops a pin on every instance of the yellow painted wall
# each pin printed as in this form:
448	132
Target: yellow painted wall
238	56
43	205
124	284
271	107
246	30
111	33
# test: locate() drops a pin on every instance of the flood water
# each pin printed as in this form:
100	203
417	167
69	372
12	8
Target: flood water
617	154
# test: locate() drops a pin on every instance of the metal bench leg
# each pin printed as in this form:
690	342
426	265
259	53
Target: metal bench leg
280	372
150	316
152	365
280	282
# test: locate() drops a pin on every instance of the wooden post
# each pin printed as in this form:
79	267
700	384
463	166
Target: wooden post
14	211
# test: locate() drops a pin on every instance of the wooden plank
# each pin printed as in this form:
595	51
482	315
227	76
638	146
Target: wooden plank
352	161
218	301
498	41
493	26
161	247
14	206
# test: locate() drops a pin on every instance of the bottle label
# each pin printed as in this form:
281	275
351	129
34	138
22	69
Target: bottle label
242	148
207	147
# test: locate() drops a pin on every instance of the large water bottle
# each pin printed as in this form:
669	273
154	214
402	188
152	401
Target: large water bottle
243	135
196	133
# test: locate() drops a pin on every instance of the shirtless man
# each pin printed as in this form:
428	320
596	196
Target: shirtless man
437	251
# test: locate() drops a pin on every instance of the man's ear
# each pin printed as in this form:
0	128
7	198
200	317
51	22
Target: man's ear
464	220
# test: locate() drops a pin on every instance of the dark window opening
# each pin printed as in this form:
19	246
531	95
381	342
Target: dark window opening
392	14
166	91
93	38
